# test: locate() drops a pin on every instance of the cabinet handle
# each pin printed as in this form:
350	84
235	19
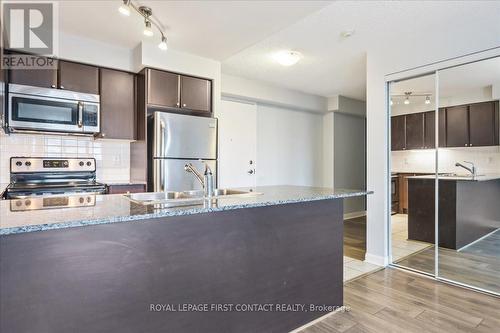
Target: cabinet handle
178	104
470	145
466	145
53	86
183	105
62	87
103	135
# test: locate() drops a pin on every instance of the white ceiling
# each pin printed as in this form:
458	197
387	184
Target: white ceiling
212	29
243	34
335	65
455	80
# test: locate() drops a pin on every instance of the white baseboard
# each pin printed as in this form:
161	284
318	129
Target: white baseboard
354	215
376	260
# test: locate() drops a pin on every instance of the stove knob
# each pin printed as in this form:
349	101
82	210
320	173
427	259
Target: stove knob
81	200
27	202
89	199
18	203
81	163
28	163
65	163
89	163
19	163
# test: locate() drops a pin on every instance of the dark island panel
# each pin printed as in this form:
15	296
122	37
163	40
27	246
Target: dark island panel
468	210
104	278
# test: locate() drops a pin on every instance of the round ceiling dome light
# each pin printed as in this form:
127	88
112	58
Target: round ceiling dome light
287	57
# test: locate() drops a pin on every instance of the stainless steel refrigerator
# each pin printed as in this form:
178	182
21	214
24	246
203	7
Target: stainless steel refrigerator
177	140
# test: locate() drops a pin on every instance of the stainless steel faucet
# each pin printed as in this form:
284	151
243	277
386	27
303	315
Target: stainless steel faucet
472	169
206	180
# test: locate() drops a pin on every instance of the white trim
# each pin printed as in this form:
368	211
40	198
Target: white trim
376	260
443	64
354	215
317	320
477	240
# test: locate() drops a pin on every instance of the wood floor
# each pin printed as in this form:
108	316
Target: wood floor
481	271
395	301
355	238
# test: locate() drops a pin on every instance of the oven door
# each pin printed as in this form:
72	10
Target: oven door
31	112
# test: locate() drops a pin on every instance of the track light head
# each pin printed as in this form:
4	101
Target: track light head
124	8
148	31
163	44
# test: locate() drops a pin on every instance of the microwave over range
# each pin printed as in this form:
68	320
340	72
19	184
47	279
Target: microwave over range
52	110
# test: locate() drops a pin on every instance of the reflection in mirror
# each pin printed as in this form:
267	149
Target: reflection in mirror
469	175
413	168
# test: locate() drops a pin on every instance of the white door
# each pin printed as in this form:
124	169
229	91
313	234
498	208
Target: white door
237	144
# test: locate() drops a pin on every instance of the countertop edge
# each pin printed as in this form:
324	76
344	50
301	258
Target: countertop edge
117	219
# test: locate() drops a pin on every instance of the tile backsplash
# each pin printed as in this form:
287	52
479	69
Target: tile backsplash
112	156
486	159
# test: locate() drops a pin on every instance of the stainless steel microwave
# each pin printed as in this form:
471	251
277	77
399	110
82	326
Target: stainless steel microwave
52	110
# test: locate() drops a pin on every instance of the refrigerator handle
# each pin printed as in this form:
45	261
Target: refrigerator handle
162	137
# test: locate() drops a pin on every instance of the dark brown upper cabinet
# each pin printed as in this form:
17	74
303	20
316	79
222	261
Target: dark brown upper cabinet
398	141
196	94
483	124
45	78
78	77
117	104
430	129
457	126
415	131
163	89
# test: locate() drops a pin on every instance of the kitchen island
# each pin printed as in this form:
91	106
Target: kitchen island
263	263
468	209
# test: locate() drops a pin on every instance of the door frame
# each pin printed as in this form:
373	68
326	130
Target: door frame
420	71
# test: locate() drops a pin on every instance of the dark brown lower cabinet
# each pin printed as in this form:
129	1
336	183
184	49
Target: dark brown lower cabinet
117	104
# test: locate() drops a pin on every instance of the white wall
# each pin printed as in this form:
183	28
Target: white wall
328	154
91	51
289	131
112	156
486	159
398	54
349	151
289	147
237	87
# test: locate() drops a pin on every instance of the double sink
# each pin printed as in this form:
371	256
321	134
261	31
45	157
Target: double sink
185	198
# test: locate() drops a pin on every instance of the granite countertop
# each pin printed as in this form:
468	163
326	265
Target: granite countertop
113	208
479	178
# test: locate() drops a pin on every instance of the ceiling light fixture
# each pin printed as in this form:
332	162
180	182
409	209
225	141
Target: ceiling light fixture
149	20
287	57
124	9
163	45
407	99
427	100
148	31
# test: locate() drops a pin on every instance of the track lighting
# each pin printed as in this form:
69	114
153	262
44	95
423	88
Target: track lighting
124	9
149	20
148	31
163	45
409	94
